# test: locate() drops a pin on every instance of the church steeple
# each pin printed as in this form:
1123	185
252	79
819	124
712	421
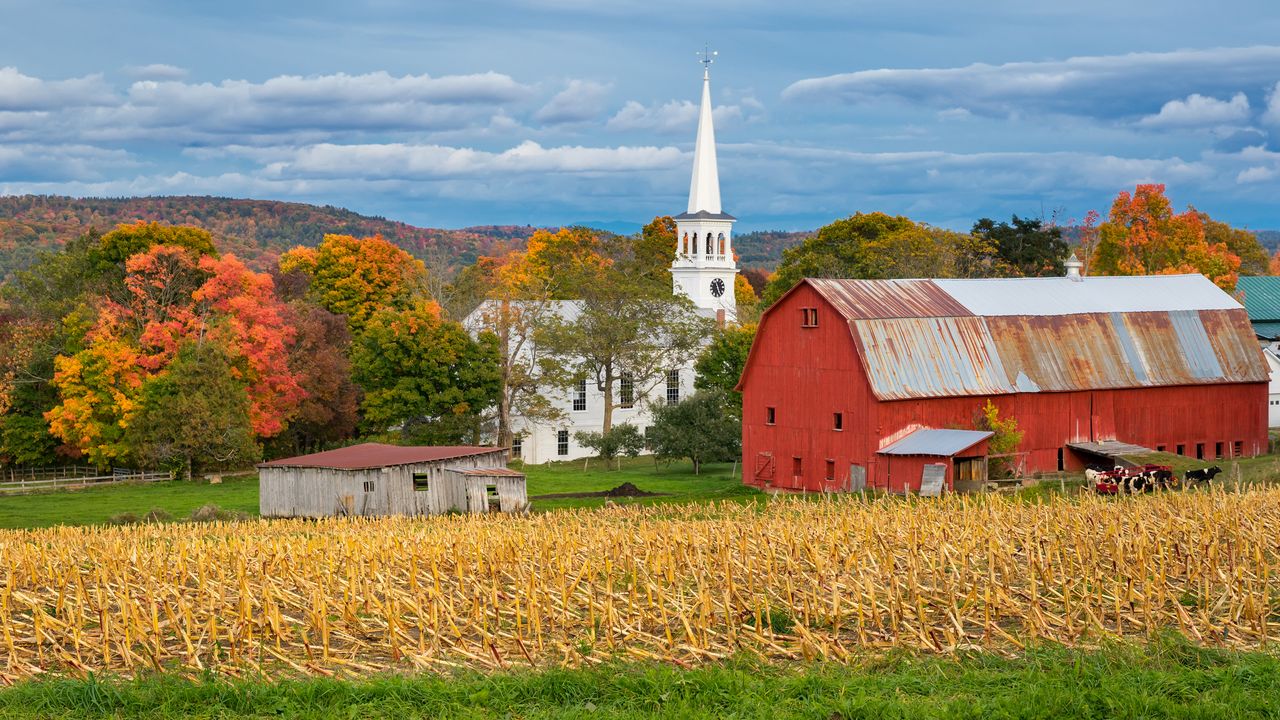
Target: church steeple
704	269
704	188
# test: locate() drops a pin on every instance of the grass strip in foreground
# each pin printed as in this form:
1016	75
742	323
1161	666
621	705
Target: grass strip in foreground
1168	678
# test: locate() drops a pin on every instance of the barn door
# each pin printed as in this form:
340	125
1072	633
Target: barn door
765	467
857	478
1102	416
932	480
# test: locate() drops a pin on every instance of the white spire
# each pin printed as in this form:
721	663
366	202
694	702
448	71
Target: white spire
704	189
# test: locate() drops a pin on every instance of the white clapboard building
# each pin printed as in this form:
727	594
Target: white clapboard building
704	270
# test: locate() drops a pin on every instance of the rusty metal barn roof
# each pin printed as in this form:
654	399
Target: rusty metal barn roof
1006	338
490	472
375	455
933	441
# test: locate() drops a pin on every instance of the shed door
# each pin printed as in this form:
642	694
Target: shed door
857	478
932	479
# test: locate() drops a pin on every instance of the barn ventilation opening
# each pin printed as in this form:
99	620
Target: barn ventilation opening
831	471
368	486
1237	448
1199	451
492	498
1182	449
1217	451
421	481
1062	459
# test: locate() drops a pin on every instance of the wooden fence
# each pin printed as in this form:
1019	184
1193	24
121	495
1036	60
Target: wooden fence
26	480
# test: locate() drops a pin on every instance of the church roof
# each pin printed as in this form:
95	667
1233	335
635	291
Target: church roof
704	215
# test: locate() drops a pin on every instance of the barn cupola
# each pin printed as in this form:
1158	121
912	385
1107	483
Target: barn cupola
1073	266
704	269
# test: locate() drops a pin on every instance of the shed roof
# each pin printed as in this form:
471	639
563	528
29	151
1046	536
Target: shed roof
376	455
950	338
933	441
1261	297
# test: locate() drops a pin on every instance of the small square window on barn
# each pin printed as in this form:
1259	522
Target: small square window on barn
673	387
1237	448
626	391
837	421
1199	451
1182	449
797	467
1160	448
1217	450
809	317
770	416
831	470
562	442
368	486
421	481
580	396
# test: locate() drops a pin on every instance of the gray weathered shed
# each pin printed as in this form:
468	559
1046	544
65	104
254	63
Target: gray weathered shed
378	479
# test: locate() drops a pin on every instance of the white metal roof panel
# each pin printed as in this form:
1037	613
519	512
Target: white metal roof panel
931	441
1100	294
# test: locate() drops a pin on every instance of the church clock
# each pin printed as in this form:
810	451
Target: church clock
717	287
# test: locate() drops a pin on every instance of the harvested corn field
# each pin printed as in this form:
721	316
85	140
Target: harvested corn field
833	579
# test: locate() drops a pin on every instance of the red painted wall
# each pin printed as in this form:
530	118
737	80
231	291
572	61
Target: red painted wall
809	374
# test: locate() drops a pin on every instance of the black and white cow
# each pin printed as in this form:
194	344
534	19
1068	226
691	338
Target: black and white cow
1203	475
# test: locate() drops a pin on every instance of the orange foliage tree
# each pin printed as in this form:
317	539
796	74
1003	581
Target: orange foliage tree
357	277
1143	236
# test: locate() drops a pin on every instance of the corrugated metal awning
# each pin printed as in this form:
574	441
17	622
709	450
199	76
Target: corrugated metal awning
931	441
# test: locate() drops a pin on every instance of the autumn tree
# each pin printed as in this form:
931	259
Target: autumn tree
879	246
357	277
195	415
720	365
128	240
424	376
1143	236
98	390
319	360
1241	243
1027	247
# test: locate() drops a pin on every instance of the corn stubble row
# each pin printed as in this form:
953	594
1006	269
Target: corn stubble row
833	579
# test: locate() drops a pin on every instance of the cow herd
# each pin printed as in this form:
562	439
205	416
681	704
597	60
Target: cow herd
1144	478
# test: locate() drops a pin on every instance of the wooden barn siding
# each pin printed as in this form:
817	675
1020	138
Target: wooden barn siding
319	492
831	380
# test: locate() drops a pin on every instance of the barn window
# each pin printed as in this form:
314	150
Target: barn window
797	467
562	442
368	486
580	396
1199	451
1062	459
626	391
837	421
421	481
831	470
1217	450
673	387
770	416
1237	448
808	317
517	447
1160	448
491	494
1182	449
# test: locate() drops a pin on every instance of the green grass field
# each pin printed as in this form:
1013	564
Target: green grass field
94	505
1165	679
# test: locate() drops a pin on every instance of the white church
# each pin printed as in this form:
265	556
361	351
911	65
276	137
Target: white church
704	271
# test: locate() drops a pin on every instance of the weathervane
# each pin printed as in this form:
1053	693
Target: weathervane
706	56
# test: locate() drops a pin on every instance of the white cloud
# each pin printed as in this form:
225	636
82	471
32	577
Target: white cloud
1256	174
156	71
1199	110
582	100
675	116
1099	86
399	160
1271	115
20	92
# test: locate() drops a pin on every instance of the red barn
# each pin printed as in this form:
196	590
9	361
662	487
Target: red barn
882	381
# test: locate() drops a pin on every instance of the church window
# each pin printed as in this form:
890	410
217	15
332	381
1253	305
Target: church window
721	243
708	243
695	243
685	249
673	387
626	391
580	396
562	442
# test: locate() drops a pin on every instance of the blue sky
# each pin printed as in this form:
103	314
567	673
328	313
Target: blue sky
559	111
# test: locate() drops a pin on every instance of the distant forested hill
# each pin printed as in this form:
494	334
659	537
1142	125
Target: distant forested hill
763	248
1270	239
256	230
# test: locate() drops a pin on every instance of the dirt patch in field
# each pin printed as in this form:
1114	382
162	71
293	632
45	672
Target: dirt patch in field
625	490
